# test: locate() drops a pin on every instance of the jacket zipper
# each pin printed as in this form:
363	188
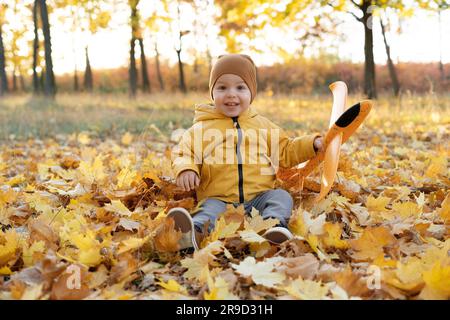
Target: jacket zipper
239	158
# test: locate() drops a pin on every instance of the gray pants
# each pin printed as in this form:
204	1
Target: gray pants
276	203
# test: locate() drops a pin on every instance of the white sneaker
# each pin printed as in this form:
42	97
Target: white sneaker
183	222
278	235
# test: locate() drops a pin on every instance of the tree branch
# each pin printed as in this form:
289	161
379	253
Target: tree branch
357	5
356	17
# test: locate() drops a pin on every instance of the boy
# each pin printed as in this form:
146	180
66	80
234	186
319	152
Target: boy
231	154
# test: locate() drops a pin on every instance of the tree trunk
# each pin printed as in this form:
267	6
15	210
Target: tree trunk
132	71
76	85
22	81
88	80
392	71
144	71
3	77
14	80
182	83
158	68
35	47
369	64
50	85
180	69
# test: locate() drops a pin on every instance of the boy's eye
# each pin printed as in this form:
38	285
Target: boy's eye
241	87
221	87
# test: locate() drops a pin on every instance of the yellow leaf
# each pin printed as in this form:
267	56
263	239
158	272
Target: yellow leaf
173	286
9	242
118	207
218	290
377	204
132	243
125	177
437	282
92	173
28	252
370	245
221	230
332	236
258	224
444	211
251	236
127	138
307	289
406	209
5	271
83	138
437	167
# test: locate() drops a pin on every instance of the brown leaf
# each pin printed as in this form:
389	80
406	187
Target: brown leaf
166	239
40	230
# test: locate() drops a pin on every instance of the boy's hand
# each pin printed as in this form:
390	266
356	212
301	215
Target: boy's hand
188	180
318	144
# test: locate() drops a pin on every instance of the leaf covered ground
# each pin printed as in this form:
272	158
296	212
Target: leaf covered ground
94	207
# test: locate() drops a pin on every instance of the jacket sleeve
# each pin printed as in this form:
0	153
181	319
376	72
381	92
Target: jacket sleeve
183	156
293	151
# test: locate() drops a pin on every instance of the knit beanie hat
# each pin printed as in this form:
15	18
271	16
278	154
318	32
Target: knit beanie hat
238	64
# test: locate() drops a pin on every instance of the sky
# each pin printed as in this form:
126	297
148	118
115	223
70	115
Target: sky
417	42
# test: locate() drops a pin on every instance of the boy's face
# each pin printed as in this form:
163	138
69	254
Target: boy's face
231	95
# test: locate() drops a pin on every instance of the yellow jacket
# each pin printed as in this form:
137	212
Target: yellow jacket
237	158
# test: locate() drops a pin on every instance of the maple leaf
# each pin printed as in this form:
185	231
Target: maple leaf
261	272
306	289
444	211
132	244
305	266
332	236
172	285
166	238
9	242
437	282
222	230
377	204
118	207
407	209
218	289
251	236
351	282
29	253
92	173
370	245
201	259
125	177
258	223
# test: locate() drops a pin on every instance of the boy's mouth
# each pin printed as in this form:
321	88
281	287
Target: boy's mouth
231	104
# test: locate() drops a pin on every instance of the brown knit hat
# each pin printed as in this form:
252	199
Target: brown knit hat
237	64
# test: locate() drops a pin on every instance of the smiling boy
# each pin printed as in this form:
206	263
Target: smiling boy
231	155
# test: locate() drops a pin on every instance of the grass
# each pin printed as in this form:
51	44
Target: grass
24	116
